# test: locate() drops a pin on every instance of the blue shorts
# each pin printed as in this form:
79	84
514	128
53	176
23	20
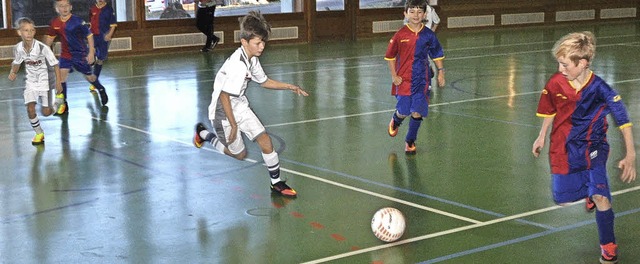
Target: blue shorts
80	64
418	103
579	185
101	46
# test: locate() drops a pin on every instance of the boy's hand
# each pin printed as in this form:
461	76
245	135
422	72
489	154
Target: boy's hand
397	80
537	147
12	76
441	81
628	167
232	135
58	88
91	58
297	90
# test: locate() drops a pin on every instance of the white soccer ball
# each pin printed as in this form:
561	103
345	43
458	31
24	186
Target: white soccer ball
388	224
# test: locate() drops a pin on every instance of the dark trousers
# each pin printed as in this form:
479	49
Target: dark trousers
204	22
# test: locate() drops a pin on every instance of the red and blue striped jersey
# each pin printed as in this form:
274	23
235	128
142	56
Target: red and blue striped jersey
73	34
102	19
579	129
411	50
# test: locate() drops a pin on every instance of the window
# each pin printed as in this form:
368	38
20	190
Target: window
369	4
181	9
331	5
42	11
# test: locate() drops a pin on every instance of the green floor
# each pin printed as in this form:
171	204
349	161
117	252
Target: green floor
124	184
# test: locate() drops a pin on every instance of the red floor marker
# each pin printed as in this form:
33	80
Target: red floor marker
297	215
338	237
316	225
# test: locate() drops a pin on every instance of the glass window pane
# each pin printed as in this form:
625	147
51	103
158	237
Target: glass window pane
368	4
181	9
42	11
330	5
4	7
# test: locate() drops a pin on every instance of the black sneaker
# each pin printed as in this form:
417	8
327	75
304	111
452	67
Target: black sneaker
198	141
283	189
104	99
215	42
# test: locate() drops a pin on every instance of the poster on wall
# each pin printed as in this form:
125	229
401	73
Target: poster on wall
433	2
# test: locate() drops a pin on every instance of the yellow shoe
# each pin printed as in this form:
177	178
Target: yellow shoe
92	88
38	139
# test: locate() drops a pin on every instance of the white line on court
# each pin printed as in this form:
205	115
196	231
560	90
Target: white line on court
455	230
426	208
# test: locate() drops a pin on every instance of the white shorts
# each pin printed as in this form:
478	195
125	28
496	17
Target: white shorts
42	97
248	124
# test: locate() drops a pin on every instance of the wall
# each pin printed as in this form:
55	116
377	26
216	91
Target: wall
137	37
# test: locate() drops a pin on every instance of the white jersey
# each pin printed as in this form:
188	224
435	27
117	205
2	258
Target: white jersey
432	17
36	64
232	78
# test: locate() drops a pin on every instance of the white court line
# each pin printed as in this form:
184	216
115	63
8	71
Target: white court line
426	208
389	110
455	230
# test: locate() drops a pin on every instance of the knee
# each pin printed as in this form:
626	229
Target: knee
240	156
91	78
415	115
602	202
47	111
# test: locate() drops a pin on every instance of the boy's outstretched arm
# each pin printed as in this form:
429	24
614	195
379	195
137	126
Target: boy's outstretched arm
628	163
278	85
538	145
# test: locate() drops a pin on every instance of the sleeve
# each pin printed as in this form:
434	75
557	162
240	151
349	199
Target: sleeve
257	73
49	56
112	18
18	59
546	105
434	16
435	49
51	32
392	48
617	107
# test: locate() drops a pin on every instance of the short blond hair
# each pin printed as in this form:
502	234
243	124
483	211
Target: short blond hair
576	46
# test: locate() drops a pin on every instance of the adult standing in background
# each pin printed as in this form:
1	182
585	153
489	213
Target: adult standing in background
204	21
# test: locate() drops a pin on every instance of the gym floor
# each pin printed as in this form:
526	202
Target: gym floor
124	184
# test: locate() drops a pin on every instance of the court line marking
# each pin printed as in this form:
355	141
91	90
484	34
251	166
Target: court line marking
386	197
456	230
523	239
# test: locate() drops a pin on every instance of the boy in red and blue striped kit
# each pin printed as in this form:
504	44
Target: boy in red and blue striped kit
77	52
408	56
575	104
103	25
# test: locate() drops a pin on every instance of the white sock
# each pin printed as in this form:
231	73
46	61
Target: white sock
273	165
217	145
35	123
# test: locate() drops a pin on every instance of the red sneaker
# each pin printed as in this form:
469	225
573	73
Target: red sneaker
609	253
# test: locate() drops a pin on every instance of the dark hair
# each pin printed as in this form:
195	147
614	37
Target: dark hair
254	25
422	4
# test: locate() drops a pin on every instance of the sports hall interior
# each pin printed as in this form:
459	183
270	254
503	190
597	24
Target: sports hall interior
123	183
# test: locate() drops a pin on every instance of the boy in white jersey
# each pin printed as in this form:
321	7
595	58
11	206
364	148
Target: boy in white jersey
37	58
229	111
